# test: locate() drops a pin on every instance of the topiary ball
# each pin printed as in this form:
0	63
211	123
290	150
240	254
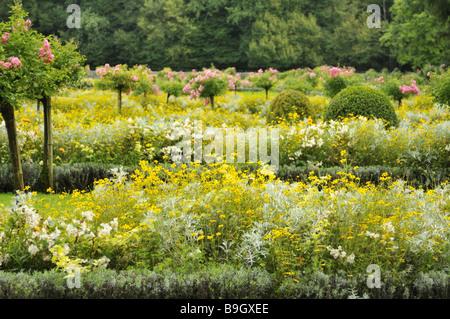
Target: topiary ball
361	101
289	101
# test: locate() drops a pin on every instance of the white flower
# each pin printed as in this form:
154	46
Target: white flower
71	230
88	215
388	227
351	258
102	262
372	235
33	249
114	224
105	231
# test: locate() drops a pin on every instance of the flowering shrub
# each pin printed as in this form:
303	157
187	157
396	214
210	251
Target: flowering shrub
118	79
225	216
303	80
207	85
337	79
397	89
264	79
441	88
172	83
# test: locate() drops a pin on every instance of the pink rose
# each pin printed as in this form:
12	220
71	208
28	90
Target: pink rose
5	38
334	71
46	44
15	61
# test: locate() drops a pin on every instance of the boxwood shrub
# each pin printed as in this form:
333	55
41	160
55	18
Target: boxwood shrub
361	101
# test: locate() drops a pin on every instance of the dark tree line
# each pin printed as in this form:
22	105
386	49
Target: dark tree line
250	34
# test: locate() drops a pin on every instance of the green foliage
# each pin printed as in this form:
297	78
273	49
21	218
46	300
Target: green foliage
172	88
207	84
145	80
334	85
249	34
172	83
391	88
218	282
118	78
301	84
284	39
361	101
289	102
264	79
17	82
416	36
441	90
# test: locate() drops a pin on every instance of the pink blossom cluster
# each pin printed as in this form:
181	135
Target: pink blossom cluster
171	75
156	90
103	71
106	69
146	71
13	62
22	25
46	53
135	78
5	38
409	89
246	82
232	80
380	80
252	75
310	74
200	77
334	71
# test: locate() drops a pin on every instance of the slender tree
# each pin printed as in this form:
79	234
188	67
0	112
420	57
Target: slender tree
20	69
118	79
63	65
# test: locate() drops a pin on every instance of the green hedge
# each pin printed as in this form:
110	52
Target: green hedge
287	102
361	101
414	176
219	282
81	176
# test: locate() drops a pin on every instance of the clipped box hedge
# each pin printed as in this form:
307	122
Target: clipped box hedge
217	282
81	176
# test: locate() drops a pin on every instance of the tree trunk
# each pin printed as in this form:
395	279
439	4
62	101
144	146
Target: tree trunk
120	101
38	105
167	100
212	102
144	102
47	168
267	94
7	112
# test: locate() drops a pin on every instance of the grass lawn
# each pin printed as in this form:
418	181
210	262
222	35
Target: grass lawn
42	201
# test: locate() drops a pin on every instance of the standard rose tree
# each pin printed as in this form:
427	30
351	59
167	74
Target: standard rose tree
22	64
63	66
172	83
144	83
264	79
207	85
118	79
